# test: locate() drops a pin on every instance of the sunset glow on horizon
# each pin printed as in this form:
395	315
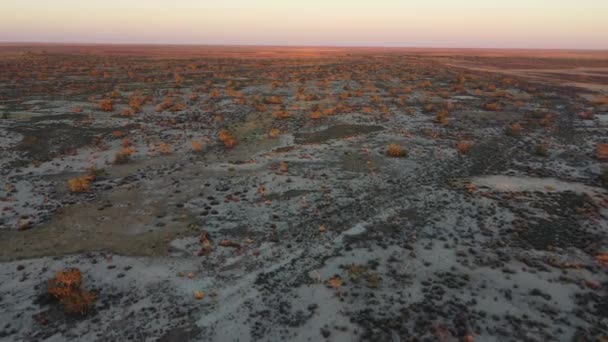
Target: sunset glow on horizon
579	24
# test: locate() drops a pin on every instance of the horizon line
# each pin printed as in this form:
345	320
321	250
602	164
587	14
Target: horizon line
77	43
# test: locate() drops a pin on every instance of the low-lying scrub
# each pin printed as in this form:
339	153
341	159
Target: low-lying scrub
66	287
396	151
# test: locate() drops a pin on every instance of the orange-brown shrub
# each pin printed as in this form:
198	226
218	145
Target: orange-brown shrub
106	105
227	139
163	148
123	156
514	130
66	286
274	133
491	107
197	146
273	100
464	146
316	115
601	152
442	117
281	114
396	151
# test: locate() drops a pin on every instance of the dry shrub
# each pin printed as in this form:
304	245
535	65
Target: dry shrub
77	109
442	117
493	107
425	84
67	288
193	97
123	156
273	100
227	139
106	105
541	150
601	152
281	114
464	146
163	148
81	184
396	151
603	100
274	133
316	115
197	146
118	134
128	112
514	130
428	108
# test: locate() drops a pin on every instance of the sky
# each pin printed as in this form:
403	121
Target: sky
577	24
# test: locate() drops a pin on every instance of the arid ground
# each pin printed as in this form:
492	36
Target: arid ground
192	193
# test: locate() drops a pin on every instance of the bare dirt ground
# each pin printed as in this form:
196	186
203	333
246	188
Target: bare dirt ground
307	194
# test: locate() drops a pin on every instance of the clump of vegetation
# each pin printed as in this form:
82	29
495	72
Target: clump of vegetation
514	130
66	287
604	177
601	152
316	115
273	100
106	105
79	184
163	148
396	151
227	139
197	146
123	156
442	117
493	107
274	133
464	146
541	150
281	114
83	183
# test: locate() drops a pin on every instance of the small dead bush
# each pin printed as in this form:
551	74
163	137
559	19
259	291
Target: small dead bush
396	151
227	139
66	287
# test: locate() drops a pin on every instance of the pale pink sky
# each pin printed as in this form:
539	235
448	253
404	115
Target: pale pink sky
428	23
